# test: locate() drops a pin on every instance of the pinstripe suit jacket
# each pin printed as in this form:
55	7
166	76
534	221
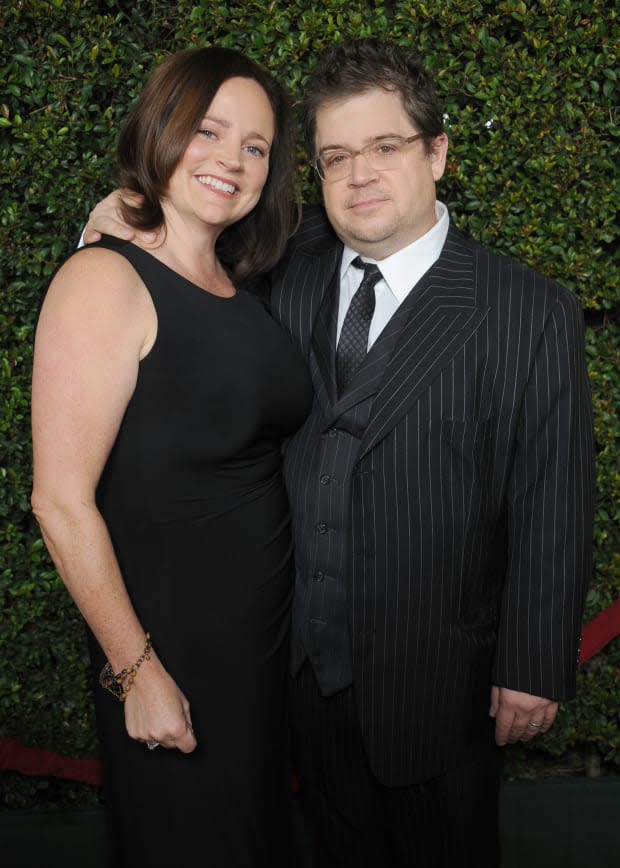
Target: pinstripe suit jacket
472	494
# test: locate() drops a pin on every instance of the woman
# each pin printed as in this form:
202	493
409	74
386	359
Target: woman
161	394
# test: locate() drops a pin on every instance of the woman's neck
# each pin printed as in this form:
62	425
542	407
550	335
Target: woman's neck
194	258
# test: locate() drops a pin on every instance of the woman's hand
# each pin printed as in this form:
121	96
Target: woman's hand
156	709
106	218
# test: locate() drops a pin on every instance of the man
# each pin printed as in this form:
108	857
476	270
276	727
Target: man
442	496
441	487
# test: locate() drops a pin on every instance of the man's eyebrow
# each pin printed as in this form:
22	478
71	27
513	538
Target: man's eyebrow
369	141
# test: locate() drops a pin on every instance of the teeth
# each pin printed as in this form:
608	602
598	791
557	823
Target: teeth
209	181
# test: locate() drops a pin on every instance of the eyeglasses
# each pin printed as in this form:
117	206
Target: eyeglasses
386	152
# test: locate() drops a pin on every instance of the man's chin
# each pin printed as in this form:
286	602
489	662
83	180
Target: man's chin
357	234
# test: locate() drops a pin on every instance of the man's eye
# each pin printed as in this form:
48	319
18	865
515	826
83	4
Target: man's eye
386	148
335	159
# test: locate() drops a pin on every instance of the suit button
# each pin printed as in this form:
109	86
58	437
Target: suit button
325	479
319	576
320	527
318	624
333	432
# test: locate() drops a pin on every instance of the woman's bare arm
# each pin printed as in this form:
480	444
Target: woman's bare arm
87	350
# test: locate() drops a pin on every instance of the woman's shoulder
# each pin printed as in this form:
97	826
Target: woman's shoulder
97	276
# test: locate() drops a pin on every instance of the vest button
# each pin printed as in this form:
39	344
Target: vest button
320	527
325	479
318	576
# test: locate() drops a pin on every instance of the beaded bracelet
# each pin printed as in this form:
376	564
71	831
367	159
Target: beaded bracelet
119	684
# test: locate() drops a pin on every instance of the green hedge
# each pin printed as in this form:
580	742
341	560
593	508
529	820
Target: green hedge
531	95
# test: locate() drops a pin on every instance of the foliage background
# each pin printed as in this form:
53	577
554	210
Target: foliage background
531	94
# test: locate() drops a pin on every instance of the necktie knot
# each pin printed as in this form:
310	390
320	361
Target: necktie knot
372	275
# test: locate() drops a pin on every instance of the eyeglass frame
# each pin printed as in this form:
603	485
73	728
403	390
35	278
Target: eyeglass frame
362	151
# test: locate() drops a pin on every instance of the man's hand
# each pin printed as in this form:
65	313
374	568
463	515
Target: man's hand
106	218
520	716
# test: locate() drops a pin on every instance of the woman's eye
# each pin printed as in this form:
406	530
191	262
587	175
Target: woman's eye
255	151
207	133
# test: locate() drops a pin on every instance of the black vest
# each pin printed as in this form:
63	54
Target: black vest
323	526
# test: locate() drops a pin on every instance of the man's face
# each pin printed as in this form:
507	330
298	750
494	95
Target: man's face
376	212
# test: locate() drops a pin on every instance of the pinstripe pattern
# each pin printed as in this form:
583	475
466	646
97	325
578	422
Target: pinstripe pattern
471	503
443	823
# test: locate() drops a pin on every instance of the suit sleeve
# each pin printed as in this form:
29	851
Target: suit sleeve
550	504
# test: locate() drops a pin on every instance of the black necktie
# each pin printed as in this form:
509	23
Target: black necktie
353	342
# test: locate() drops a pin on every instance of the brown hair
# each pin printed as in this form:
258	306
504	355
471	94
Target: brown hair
356	66
160	126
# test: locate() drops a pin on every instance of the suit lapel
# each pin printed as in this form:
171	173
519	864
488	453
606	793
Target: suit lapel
368	378
316	285
323	352
298	291
440	314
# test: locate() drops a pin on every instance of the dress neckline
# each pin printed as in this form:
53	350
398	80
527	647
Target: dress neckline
185	279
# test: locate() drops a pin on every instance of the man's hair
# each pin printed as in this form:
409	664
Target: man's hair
354	67
163	121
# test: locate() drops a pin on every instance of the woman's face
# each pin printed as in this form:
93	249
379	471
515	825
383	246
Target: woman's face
221	175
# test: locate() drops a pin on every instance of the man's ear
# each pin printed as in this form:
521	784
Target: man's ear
438	155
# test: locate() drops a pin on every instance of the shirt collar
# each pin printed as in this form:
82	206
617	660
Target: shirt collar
402	270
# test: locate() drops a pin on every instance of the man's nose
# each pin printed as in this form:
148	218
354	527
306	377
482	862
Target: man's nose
361	170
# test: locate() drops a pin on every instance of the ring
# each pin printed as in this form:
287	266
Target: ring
152	745
534	725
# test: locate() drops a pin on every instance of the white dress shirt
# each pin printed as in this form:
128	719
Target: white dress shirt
400	273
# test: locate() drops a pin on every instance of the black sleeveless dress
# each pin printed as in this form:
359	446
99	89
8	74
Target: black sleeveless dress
193	497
